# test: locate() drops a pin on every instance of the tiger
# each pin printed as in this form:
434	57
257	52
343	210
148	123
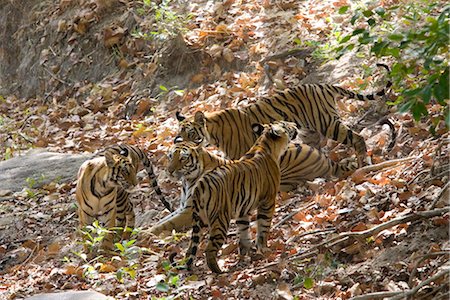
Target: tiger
103	187
311	106
234	190
188	161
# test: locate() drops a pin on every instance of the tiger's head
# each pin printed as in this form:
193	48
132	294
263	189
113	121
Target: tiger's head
123	167
275	136
184	160
193	131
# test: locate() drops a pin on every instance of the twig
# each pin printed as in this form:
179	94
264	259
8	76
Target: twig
55	77
422	284
313	232
291	214
385	164
435	201
420	260
370	232
377	295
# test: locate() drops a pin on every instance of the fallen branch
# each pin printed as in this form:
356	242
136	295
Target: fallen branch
420	260
384	164
377	295
413	291
313	232
291	214
435	201
342	237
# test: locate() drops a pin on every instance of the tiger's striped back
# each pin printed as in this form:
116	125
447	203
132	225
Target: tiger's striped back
234	190
104	184
311	106
188	162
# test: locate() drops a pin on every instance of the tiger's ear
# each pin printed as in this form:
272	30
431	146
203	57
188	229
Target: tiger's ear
199	117
257	128
110	158
178	139
180	117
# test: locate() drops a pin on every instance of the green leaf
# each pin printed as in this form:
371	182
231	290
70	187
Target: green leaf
345	39
297	41
166	265
162	287
343	9
163	88
371	22
354	18
358	31
418	110
406	106
120	247
441	90
378	48
396	37
367	13
426	94
174	280
308	283
380	11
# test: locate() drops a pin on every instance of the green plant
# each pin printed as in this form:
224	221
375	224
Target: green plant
31	190
124	264
415	37
167	22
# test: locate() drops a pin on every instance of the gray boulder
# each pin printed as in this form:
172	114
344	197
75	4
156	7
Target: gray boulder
42	166
71	295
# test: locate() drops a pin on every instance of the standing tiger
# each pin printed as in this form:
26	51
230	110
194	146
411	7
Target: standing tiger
234	190
189	161
311	106
104	184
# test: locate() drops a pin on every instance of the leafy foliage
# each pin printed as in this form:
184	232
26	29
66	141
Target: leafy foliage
417	44
167	22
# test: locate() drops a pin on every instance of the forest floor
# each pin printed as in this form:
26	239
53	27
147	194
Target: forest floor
116	72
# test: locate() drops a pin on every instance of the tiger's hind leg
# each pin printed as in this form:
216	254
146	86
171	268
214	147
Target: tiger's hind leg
266	210
243	224
217	235
342	134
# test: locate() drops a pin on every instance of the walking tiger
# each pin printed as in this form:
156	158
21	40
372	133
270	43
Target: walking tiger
311	106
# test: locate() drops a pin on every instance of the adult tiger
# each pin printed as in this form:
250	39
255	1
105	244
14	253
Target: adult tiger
189	161
311	106
104	184
234	190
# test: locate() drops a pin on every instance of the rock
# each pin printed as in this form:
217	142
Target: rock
70	295
43	167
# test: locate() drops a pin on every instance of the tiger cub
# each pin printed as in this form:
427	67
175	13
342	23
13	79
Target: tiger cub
311	106
234	190
104	184
189	161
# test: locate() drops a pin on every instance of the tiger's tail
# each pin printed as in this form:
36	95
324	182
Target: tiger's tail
373	96
154	182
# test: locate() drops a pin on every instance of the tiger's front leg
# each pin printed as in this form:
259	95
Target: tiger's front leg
264	219
125	214
217	235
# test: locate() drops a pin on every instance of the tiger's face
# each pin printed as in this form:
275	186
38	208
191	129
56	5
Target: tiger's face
123	168
192	131
184	160
280	133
